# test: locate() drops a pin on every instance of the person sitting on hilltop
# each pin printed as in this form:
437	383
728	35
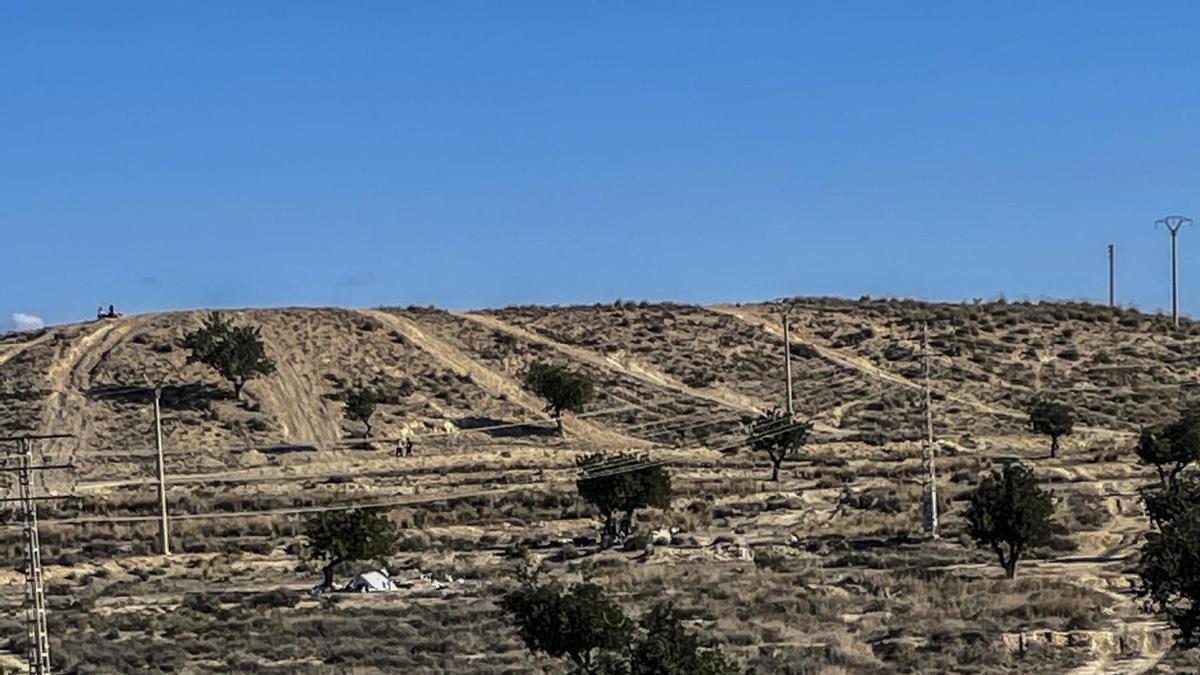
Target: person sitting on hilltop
112	312
99	313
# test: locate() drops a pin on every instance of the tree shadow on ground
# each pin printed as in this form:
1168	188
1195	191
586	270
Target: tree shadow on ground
503	428
195	396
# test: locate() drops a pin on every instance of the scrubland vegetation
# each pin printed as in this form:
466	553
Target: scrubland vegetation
627	465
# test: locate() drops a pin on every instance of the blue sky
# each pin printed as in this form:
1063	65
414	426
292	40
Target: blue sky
167	155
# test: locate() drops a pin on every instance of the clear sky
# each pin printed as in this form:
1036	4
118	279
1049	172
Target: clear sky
166	155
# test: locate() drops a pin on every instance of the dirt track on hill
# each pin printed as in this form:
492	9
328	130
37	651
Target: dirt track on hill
68	380
293	393
12	351
868	368
496	383
828	564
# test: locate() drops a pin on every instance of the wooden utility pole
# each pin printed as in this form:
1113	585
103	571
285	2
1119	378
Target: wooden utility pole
38	655
156	390
930	493
1112	264
164	529
787	364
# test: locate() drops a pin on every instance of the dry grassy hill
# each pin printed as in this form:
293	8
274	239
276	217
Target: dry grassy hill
823	572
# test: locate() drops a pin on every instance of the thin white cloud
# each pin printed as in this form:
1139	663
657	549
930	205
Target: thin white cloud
27	321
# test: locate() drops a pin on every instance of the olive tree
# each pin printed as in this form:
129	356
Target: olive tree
562	388
1172	447
236	352
1053	419
342	536
1168	568
777	434
1009	513
576	623
585	626
668	647
619	484
360	406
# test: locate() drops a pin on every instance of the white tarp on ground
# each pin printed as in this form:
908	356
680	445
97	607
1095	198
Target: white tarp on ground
370	582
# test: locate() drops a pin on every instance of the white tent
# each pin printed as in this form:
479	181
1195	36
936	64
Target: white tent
371	582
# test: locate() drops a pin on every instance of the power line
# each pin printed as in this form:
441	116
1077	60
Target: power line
696	425
623	470
749	439
213	477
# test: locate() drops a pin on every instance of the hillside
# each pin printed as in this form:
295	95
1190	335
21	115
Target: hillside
825	571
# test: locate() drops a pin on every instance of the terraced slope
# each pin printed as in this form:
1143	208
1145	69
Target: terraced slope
825	571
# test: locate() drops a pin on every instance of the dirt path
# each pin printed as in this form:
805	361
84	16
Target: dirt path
866	367
65	409
852	362
497	384
12	351
1091	566
70	375
1133	665
637	370
292	393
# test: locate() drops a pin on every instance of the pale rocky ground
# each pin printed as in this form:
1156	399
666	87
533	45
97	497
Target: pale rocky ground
790	577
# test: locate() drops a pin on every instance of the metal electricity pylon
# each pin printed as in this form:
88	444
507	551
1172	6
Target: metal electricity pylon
1173	225
39	636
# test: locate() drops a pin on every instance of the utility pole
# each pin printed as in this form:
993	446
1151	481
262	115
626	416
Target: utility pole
1112	265
1173	225
164	530
39	636
930	493
787	364
156	390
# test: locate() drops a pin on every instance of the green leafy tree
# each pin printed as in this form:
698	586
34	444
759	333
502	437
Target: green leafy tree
1173	447
1165	503
577	624
563	389
1168	569
1010	514
360	406
342	536
619	484
236	352
582	624
1053	419
669	648
777	434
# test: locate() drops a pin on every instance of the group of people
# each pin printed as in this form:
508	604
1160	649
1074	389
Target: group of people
404	449
110	314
